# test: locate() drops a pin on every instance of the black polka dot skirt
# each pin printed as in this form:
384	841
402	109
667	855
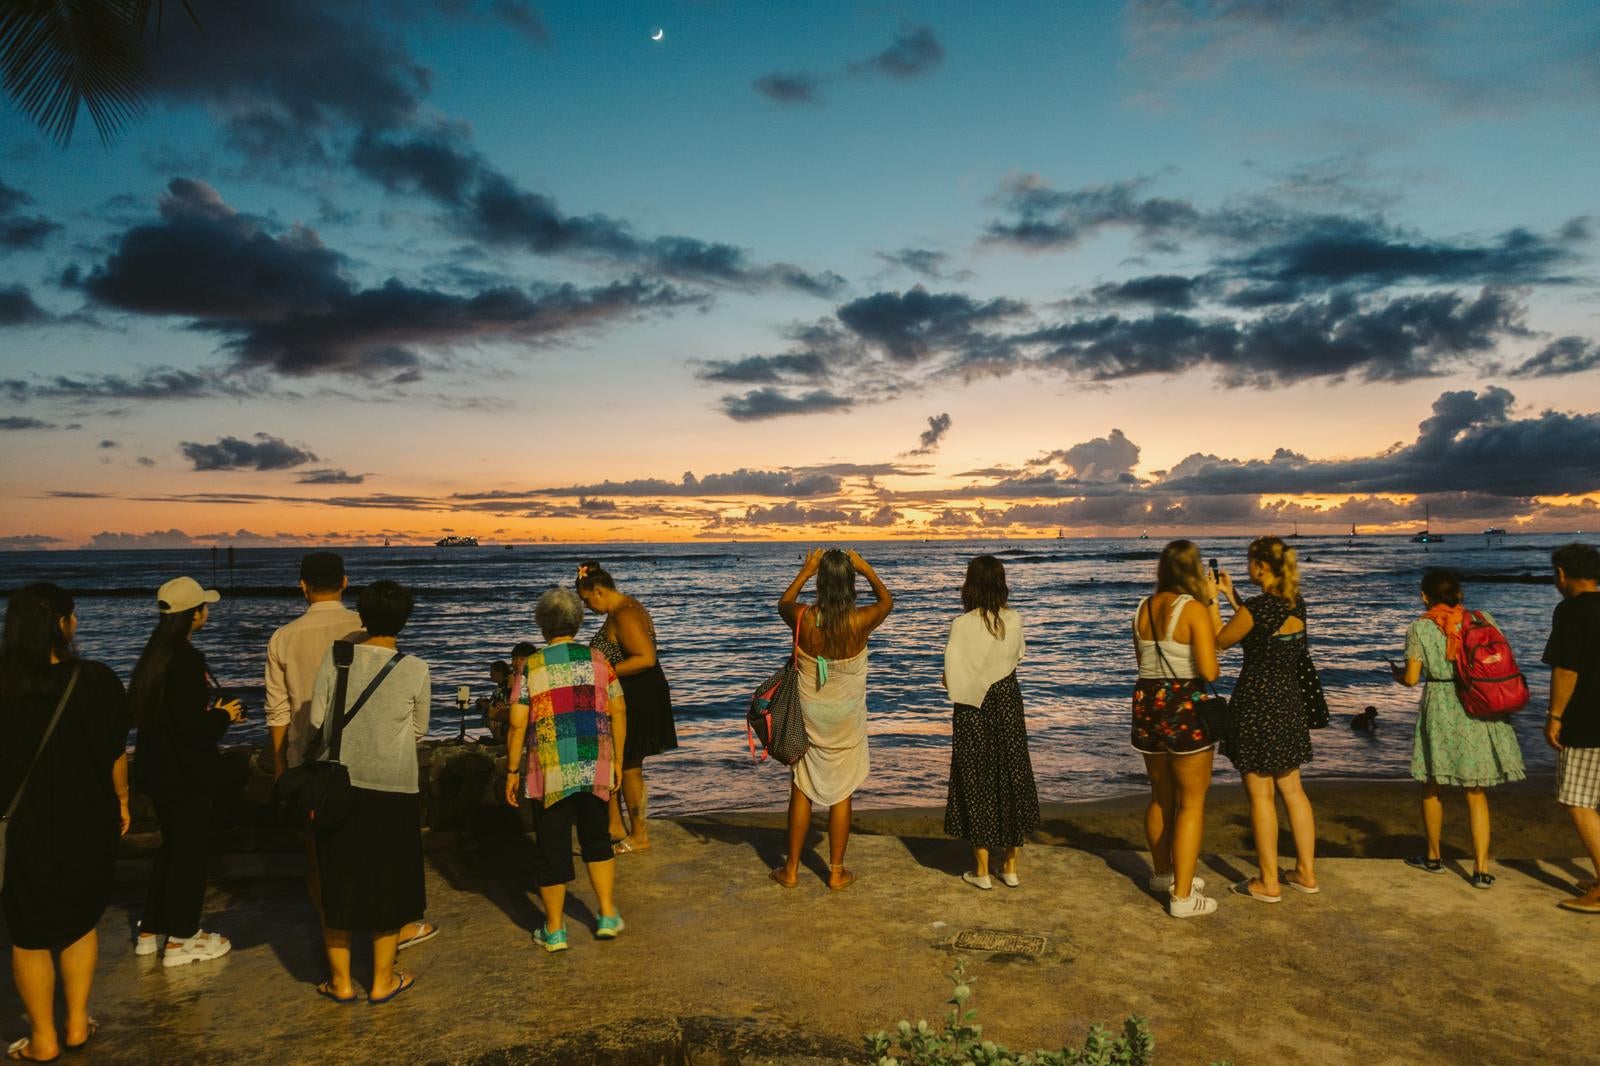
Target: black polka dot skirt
992	801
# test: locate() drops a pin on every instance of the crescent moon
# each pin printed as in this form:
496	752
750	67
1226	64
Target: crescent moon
658	34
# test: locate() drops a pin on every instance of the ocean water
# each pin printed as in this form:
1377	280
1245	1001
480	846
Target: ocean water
715	611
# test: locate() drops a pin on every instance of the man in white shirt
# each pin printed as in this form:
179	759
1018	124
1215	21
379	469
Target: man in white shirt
296	651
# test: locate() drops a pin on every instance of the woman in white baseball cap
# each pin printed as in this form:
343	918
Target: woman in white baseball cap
176	762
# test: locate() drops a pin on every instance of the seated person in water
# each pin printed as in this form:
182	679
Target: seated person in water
496	709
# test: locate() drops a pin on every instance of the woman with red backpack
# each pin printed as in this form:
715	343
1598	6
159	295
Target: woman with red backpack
1452	748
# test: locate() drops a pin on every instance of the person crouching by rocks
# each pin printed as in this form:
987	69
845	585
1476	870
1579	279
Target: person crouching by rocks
568	763
993	803
177	763
1175	646
371	864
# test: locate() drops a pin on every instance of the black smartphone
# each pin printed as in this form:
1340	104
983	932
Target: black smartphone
1213	570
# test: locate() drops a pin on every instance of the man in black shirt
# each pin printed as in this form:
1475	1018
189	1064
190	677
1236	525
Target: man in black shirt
1573	724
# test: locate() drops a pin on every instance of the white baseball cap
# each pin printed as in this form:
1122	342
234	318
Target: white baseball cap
183	594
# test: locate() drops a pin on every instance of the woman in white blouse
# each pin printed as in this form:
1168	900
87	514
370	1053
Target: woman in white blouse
992	802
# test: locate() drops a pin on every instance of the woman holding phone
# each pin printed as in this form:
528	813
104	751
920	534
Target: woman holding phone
180	718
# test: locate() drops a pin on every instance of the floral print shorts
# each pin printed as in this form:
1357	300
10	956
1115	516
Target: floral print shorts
1164	718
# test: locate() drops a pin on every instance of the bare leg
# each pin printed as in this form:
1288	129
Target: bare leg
1302	826
35	975
338	945
799	822
1191	778
1009	866
554	898
980	856
1159	816
385	979
1587	821
1432	817
77	979
1478	819
637	797
603	879
618	830
838	840
1264	825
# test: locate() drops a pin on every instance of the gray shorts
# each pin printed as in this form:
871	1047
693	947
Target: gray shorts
1578	777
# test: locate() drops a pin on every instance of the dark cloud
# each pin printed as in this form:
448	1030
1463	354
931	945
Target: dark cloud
487	205
1101	459
796	88
909	326
913	53
265	452
110	444
1564	355
739	482
793	513
22	422
25	541
928	442
759	404
330	477
17	307
1046	219
924	261
156	383
521	17
283	303
766	369
20	231
1345	336
1176	292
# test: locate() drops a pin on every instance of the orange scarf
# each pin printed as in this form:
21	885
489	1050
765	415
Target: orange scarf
1449	620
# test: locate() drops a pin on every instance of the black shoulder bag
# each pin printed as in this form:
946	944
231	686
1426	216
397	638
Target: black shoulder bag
49	730
317	794
1216	717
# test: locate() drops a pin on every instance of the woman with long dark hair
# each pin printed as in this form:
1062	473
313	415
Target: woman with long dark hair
992	802
1175	646
1452	749
628	640
70	793
832	636
1272	737
176	762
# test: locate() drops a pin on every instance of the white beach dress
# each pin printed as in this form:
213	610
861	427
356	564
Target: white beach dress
835	764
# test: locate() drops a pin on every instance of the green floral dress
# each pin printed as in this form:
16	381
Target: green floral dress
1452	747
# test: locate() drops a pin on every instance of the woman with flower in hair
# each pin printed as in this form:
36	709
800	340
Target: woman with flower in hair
627	638
832	638
1272	737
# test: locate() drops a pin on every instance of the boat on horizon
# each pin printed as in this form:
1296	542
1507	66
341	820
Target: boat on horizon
1427	536
456	542
1494	531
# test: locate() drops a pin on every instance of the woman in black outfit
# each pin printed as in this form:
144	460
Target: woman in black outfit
628	641
176	763
62	841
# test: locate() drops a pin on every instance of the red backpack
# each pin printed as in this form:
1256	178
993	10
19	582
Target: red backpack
1488	682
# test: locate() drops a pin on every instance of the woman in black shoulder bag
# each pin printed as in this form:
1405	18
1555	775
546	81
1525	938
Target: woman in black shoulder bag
64	783
371	863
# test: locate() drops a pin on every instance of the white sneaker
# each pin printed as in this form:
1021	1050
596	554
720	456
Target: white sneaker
1009	880
971	877
146	944
1164	882
1193	907
202	947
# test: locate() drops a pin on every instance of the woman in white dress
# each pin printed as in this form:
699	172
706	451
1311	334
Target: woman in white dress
832	639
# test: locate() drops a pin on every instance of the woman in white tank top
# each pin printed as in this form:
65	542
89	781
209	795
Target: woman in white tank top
1175	646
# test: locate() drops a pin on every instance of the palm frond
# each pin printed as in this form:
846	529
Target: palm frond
60	56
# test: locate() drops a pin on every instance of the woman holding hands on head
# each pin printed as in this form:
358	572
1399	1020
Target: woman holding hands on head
832	639
628	641
1272	737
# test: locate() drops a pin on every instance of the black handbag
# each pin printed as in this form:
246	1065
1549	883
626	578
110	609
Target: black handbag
775	718
317	794
16	798
1216	716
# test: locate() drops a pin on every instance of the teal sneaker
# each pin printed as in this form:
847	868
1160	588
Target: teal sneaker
556	941
608	927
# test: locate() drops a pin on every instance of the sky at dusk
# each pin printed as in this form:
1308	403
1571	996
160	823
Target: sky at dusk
831	270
